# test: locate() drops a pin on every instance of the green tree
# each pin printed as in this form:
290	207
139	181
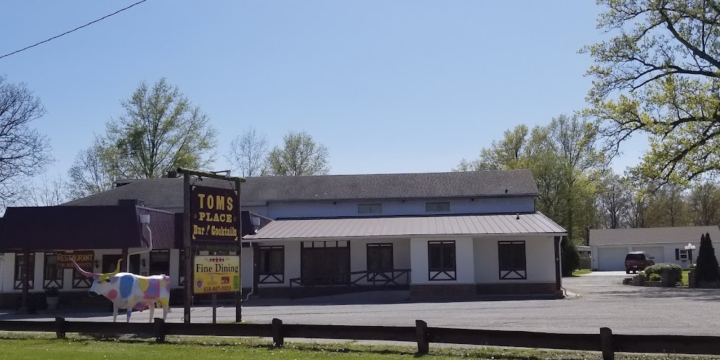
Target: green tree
570	257
564	161
704	203
160	130
300	155
659	76
707	264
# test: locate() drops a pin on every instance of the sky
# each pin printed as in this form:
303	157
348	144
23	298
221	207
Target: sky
387	86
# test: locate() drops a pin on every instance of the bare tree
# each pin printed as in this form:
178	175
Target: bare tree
704	203
45	193
89	174
24	152
248	152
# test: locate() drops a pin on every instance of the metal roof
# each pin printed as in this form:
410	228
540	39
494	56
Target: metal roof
534	223
659	235
167	193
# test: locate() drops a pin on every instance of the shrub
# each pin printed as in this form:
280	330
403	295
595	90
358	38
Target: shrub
657	269
707	264
570	257
52	292
655	277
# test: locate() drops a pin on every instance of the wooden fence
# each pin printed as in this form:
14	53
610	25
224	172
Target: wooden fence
605	341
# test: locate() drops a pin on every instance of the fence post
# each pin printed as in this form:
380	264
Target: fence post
421	334
278	339
606	344
159	329
60	327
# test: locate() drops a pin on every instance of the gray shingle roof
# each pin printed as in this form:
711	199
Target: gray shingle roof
168	193
659	235
536	223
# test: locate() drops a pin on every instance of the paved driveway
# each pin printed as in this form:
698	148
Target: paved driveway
603	301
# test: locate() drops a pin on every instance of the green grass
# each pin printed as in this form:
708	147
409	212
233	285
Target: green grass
581	272
685	274
32	346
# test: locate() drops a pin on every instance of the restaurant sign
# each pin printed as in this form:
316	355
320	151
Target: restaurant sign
214	214
216	274
83	258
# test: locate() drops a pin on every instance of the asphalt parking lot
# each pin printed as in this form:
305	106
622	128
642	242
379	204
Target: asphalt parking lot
602	301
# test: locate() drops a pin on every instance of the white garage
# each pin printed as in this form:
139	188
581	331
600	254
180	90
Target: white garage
665	245
611	258
656	252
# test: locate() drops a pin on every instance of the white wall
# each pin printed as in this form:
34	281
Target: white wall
463	261
668	252
539	258
398	207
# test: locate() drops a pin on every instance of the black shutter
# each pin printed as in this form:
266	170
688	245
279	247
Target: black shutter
677	254
690	255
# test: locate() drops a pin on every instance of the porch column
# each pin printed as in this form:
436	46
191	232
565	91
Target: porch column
24	278
124	264
558	264
256	267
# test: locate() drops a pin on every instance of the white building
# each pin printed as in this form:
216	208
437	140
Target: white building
455	233
664	244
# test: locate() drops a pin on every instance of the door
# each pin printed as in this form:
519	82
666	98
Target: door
325	266
110	262
612	259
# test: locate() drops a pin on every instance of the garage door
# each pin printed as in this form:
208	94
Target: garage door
656	252
611	259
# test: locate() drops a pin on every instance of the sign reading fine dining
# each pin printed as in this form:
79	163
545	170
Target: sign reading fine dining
83	258
214	214
216	274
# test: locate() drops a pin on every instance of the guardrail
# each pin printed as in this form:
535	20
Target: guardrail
605	341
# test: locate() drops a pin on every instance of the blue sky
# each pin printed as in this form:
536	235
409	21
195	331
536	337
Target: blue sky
387	86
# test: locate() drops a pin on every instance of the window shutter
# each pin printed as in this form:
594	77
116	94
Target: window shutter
677	254
690	255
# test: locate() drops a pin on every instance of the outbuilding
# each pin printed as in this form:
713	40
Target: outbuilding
678	245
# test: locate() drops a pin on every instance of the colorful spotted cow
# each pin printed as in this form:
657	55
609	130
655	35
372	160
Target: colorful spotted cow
130	291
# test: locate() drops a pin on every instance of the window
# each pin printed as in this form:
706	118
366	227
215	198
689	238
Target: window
369	208
511	260
52	276
19	271
682	254
159	262
272	264
81	281
379	258
437	207
441	260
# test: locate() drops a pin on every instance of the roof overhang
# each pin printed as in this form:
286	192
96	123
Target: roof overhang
84	227
405	227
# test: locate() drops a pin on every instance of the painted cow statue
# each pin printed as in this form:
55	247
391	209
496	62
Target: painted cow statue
130	291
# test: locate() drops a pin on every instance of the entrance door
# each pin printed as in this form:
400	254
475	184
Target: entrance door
322	264
110	262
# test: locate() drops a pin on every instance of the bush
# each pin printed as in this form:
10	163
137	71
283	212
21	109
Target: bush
657	269
707	264
570	257
53	292
655	277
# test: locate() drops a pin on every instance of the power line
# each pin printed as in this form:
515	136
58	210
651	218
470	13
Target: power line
75	29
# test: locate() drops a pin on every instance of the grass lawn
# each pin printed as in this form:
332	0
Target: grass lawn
581	272
685	274
23	346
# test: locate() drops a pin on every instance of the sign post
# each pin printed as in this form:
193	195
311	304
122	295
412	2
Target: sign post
212	217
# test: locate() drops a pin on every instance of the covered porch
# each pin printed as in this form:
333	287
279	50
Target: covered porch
464	255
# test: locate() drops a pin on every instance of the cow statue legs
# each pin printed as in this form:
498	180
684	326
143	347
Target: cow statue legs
152	311
115	312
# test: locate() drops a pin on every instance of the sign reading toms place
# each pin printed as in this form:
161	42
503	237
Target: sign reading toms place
214	214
